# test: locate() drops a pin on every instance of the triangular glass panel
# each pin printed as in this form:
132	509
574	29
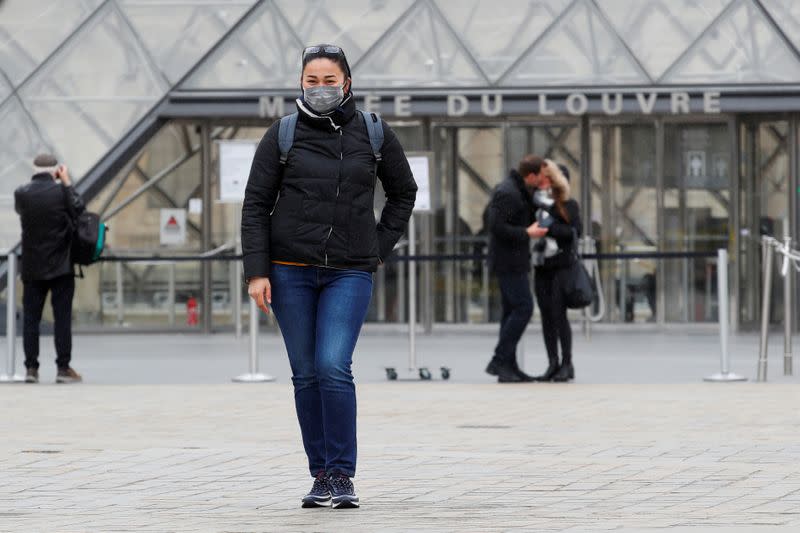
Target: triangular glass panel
355	25
5	87
74	72
178	34
82	132
19	143
263	52
741	47
786	13
658	33
31	30
421	51
579	49
497	37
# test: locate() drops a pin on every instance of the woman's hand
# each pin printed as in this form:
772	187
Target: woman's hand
260	290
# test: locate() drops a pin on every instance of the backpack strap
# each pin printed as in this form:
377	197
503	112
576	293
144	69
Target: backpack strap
286	135
375	130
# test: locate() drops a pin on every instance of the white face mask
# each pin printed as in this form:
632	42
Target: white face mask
543	198
324	98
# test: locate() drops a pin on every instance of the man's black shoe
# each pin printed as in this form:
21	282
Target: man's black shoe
32	375
320	495
522	375
506	374
493	366
343	494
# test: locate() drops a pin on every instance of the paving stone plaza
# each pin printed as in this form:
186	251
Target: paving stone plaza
639	453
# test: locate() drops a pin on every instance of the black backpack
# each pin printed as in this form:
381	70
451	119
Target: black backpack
88	238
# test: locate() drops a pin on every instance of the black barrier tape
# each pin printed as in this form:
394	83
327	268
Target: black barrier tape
405	258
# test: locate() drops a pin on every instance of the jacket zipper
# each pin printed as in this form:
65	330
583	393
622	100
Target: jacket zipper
275	206
338	188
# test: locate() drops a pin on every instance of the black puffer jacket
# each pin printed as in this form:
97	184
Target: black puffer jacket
318	210
509	214
47	210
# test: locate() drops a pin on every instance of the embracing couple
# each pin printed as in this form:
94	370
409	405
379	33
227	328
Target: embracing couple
532	220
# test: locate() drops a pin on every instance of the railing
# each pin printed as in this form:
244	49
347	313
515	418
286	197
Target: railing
161	298
771	247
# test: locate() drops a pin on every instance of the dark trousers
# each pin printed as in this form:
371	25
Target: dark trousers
515	292
62	290
320	312
555	325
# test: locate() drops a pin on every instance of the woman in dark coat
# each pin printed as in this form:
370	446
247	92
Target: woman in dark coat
553	256
311	243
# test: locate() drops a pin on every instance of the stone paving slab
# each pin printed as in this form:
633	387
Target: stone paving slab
433	457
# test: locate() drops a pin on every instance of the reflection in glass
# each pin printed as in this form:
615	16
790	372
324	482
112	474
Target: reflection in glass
697	180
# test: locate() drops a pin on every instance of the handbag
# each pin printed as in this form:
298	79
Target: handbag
578	286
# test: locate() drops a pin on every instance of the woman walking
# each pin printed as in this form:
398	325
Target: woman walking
311	243
553	256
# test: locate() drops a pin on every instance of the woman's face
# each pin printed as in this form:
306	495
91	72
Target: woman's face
323	71
545	182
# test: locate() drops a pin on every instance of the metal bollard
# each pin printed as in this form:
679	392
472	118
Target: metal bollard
171	294
11	322
725	375
254	376
765	305
120	295
412	297
787	307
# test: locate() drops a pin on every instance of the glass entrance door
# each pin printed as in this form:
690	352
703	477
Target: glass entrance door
624	216
765	190
697	206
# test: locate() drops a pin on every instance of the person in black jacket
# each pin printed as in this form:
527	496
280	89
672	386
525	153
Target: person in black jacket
553	255
511	228
47	206
311	243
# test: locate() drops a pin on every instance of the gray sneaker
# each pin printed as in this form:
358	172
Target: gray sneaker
68	375
343	494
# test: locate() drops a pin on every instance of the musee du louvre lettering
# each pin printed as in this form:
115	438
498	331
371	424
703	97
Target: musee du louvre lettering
542	104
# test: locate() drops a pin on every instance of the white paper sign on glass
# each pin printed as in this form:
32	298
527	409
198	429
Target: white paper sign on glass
173	227
420	168
235	159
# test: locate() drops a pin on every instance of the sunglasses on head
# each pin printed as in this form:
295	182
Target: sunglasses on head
333	50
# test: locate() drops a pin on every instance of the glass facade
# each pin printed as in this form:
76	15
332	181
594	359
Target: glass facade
78	76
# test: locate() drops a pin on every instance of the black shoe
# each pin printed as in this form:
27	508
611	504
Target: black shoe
32	375
525	378
565	373
506	374
493	366
320	495
343	494
552	370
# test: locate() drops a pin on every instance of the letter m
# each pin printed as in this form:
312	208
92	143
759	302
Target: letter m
270	106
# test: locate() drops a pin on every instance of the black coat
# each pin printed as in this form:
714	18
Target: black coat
318	210
509	214
564	233
47	210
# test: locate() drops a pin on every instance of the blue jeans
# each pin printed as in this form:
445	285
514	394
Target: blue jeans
320	312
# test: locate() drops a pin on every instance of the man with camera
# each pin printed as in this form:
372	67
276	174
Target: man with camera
47	206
